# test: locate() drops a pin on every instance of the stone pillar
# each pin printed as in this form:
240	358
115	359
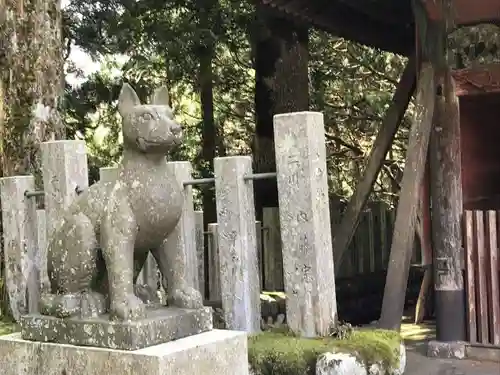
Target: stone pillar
258	241
65	171
214	293
272	255
109	174
200	250
41	241
305	222
19	238
184	235
239	271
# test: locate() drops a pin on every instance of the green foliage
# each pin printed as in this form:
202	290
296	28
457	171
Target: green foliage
351	84
272	353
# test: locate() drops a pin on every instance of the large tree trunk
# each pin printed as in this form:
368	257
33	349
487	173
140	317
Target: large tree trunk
31	85
31	64
206	50
281	85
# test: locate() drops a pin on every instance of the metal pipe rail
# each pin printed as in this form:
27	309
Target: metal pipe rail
39	193
260	176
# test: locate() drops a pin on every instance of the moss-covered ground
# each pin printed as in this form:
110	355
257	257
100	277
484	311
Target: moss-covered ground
280	353
7	327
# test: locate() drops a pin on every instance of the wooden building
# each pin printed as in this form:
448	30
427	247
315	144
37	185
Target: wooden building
453	161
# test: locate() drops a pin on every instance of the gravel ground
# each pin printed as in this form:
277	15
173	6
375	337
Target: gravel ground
419	364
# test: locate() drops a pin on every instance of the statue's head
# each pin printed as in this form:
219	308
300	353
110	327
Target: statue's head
149	128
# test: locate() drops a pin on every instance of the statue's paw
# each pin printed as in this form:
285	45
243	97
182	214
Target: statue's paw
60	305
128	308
92	304
146	294
186	298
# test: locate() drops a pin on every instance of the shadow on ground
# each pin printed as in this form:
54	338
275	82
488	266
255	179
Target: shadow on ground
416	337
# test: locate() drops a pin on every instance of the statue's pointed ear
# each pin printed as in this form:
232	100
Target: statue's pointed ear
127	99
160	96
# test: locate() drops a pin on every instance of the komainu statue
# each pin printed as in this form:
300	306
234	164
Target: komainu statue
97	250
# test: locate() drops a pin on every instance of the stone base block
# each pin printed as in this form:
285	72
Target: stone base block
161	325
214	352
452	349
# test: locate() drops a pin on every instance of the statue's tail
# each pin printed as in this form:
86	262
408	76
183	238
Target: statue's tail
87	304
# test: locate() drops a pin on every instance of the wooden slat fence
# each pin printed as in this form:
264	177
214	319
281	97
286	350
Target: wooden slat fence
482	273
368	253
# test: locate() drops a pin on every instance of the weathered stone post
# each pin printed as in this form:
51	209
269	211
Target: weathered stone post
200	249
305	222
109	174
239	270
258	242
41	242
214	293
184	235
273	258
65	175
19	252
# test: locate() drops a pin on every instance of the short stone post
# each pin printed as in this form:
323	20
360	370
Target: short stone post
239	270
41	240
305	222
184	235
272	255
19	239
65	174
214	292
200	249
109	174
258	241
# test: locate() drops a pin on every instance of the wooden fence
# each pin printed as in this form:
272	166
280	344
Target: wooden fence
482	269
368	252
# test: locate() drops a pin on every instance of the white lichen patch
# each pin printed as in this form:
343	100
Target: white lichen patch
339	364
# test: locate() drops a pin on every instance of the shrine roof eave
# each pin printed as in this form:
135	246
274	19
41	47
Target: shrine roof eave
383	24
369	25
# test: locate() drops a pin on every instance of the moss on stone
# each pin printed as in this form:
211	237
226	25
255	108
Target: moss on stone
279	353
7	327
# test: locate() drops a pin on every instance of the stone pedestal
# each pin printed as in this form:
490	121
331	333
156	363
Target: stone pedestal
160	325
214	352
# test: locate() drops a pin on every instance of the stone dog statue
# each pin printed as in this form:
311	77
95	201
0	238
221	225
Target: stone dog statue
104	238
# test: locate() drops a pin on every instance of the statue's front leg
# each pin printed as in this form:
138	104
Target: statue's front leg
172	264
118	234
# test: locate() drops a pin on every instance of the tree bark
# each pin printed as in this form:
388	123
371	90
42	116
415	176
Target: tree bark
32	87
381	146
406	214
447	205
281	85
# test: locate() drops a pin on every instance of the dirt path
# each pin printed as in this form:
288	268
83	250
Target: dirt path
419	364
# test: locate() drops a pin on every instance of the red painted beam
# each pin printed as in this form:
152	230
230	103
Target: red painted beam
479	80
467	12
